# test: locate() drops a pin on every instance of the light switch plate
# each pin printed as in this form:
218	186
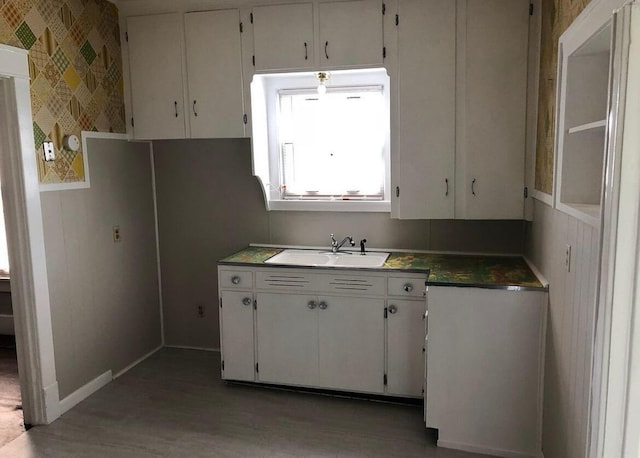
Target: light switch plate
49	152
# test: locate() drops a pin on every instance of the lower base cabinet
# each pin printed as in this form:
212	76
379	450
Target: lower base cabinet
484	369
236	334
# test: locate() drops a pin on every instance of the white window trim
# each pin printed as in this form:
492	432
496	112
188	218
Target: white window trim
264	96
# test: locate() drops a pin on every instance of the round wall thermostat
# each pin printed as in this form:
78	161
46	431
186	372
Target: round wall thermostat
71	143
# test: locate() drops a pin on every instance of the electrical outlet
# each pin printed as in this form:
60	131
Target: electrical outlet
116	233
567	258
200	308
49	151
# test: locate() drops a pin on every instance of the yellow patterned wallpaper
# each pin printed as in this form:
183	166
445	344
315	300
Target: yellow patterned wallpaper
75	66
557	15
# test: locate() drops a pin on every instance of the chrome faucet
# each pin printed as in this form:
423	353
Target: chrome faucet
335	246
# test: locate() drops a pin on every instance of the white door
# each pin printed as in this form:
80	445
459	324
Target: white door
155	63
492	85
350	33
283	36
287	337
214	74
426	119
405	342
236	326
351	343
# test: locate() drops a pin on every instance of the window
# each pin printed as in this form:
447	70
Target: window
322	152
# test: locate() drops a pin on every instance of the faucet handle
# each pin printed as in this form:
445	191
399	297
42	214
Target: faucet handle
334	242
351	241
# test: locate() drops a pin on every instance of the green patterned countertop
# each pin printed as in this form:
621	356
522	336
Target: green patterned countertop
443	269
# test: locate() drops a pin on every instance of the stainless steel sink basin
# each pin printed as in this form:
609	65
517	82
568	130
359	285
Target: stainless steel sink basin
328	259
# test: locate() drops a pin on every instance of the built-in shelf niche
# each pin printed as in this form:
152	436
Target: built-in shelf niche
582	125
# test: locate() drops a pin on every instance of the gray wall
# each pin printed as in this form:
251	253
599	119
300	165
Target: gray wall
104	295
569	343
209	205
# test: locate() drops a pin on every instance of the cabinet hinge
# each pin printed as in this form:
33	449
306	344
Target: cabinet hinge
251	17
253	60
241	28
255	304
132	123
244	118
220	302
386	312
384	9
223	365
423	391
397	191
384	379
257	368
126	36
384	52
530	9
526	192
397	20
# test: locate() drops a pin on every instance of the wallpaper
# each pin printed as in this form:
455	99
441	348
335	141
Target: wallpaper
75	67
557	15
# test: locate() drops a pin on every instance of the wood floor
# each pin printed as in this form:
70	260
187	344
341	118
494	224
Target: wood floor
174	404
11	420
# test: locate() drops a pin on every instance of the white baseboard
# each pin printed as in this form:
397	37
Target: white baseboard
51	402
487	450
186	347
6	325
136	362
84	392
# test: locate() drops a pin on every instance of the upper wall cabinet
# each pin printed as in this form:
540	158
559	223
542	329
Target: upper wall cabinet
424	179
213	107
214	74
350	33
155	62
492	54
283	37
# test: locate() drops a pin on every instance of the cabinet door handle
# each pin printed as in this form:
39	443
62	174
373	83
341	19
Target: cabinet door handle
473	187
312	305
408	287
175	107
392	309
446	181
306	55
323	305
235	280
326	53
195	113
246	301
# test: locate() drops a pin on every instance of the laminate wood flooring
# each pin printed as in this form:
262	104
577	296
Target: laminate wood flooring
11	419
174	404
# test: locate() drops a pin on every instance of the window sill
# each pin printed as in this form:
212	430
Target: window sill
381	206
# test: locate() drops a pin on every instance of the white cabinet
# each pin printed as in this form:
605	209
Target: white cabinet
236	335
214	74
155	63
491	113
425	177
350	33
405	344
283	37
484	369
213	107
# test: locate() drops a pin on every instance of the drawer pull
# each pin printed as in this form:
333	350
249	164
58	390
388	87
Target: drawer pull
312	305
408	287
323	305
235	280
393	309
246	301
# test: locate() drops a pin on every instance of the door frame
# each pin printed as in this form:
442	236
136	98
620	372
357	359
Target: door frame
25	238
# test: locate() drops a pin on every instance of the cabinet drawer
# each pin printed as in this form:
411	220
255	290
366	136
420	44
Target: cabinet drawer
406	286
354	284
236	279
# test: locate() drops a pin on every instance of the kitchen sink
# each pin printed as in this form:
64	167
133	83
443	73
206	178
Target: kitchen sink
328	259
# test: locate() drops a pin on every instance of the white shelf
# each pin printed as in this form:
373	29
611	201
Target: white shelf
587	213
588	126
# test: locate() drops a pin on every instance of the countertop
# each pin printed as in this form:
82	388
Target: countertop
509	272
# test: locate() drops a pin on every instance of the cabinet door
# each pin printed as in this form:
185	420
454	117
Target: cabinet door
287	335
350	33
351	343
283	36
426	119
492	79
236	339
405	342
214	74
155	63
